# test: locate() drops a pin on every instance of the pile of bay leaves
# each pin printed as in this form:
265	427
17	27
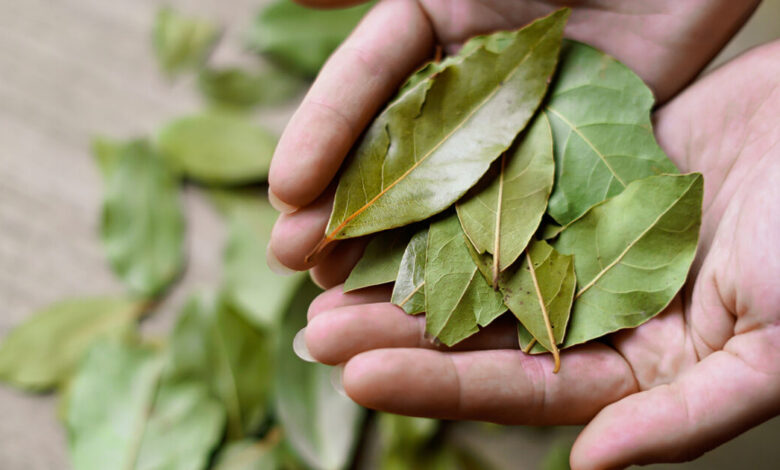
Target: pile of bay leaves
223	390
554	202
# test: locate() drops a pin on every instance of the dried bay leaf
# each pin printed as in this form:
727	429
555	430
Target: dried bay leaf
444	132
182	42
409	288
457	297
250	454
43	351
599	111
217	148
248	283
302	38
501	217
632	254
142	225
242	88
539	292
214	344
322	425
122	414
379	263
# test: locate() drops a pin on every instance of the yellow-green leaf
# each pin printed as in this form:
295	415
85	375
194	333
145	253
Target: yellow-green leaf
182	42
409	288
379	263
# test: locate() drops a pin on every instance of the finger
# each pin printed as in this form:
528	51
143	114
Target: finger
336	297
367	68
334	268
337	335
502	386
716	400
295	235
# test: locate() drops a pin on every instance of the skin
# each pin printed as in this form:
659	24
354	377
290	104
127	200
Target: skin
700	373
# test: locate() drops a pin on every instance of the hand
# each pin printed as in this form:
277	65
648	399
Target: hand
703	371
667	43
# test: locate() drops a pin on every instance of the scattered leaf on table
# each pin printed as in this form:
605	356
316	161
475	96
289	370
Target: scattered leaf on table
249	284
632	254
539	292
403	440
380	261
599	111
501	216
122	415
431	144
142	225
43	351
241	88
457	296
182	42
214	344
106	153
321	424
409	288
250	454
218	148
302	38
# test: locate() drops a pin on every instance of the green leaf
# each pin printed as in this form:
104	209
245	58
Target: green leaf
215	345
142	226
632	254
106	153
321	424
122	415
540	292
403	440
249	284
445	132
249	454
218	148
501	216
457	297
182	42
302	38
240	88
600	116
409	288
43	351
379	263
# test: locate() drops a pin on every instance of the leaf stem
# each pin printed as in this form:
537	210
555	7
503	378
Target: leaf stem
529	346
497	237
551	336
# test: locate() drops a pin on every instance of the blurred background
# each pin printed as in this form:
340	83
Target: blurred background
72	69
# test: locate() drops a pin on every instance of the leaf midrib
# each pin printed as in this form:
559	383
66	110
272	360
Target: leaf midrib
331	236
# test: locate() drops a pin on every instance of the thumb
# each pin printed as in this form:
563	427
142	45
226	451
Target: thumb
716	400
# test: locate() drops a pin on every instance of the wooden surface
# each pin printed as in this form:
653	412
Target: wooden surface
70	69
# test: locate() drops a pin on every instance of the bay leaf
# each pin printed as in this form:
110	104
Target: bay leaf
434	142
106	153
457	297
600	115
403	440
220	148
539	292
409	288
43	351
302	38
501	216
243	88
215	345
248	283
380	261
182	42
123	415
142	225
322	425
632	254
527	342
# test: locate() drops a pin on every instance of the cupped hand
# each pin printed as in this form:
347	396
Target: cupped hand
703	371
665	42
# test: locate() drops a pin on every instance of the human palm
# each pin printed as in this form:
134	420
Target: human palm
704	370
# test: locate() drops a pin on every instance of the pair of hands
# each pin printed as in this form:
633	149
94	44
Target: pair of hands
703	371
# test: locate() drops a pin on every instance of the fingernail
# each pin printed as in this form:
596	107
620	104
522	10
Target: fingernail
299	346
280	205
337	379
275	265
